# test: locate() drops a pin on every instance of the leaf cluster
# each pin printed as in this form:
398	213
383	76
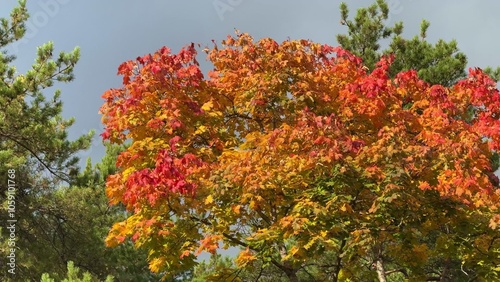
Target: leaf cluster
300	155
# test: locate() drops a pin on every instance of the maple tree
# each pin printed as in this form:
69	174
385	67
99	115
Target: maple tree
306	159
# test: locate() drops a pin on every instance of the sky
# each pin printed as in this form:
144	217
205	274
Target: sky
112	31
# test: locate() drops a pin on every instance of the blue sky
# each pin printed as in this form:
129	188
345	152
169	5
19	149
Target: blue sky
112	31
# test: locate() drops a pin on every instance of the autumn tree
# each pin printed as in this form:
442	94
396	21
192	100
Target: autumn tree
223	268
295	151
370	37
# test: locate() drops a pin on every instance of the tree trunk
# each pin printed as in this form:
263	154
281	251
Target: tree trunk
287	266
444	274
380	270
292	275
338	267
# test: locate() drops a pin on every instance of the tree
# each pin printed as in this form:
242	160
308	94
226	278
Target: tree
60	214
300	155
34	150
73	276
32	128
223	268
73	222
439	63
218	268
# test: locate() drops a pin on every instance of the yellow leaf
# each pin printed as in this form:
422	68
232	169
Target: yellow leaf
156	264
215	114
201	130
207	106
209	200
310	243
346	208
253	204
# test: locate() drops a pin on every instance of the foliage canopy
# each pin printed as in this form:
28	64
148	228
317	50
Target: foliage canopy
296	152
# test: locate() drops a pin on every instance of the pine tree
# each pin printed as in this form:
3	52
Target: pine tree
63	215
73	275
439	63
35	152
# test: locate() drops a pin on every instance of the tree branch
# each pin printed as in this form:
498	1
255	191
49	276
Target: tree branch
65	179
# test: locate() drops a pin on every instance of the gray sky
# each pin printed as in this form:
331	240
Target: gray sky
112	31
